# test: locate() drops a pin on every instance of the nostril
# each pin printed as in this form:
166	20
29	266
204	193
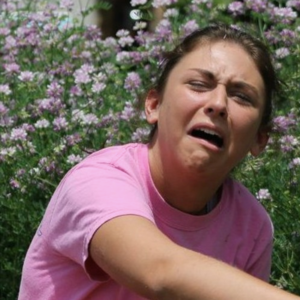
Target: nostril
223	114
215	111
209	110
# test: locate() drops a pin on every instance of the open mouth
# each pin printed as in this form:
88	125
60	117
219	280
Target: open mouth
209	136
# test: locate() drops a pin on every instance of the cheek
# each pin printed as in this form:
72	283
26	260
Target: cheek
245	124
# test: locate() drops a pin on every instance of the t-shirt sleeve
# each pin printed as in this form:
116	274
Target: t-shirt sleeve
89	196
259	264
261	260
251	229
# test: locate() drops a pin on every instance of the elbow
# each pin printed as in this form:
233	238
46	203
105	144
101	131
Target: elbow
160	281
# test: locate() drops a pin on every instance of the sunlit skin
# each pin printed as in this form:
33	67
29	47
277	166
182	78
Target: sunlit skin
216	87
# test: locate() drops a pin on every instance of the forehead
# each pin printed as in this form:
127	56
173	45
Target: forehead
218	55
225	60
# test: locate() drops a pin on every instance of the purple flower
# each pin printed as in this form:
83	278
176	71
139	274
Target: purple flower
171	12
73	139
60	123
4	89
77	115
74	159
18	134
137	56
132	81
283	123
258	6
46	164
272	36
43	123
54	90
89	119
288	37
97	87
7	121
50	104
123	57
159	3
4	31
10	43
207	2
28	127
164	29
263	194
282	52
288	143
15	183
294	163
137	2
236	8
26	76
140	134
128	111
110	42
10	151
21	172
189	27
125	41
3	109
82	76
284	15
11	68
44	104
293	3
75	90
67	4
122	33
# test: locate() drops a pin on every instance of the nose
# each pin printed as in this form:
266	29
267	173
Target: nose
217	103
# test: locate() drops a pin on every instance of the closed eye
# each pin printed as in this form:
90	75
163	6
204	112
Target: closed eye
200	86
243	98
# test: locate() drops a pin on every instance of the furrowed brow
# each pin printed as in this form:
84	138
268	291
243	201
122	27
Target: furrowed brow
245	86
206	73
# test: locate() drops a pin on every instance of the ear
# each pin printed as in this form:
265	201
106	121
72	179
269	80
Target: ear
261	142
152	105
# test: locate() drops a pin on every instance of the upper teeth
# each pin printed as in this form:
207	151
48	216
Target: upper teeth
209	131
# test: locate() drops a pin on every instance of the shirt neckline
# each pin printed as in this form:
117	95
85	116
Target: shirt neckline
172	216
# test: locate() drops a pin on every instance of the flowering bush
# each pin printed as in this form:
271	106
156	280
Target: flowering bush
66	92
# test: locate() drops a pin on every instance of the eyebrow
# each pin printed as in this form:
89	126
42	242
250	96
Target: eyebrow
237	84
207	73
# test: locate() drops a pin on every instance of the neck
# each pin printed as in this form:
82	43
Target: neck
185	190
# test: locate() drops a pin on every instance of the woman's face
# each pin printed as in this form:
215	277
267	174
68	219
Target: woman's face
210	112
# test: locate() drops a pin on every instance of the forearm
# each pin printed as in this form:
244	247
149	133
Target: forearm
202	278
151	265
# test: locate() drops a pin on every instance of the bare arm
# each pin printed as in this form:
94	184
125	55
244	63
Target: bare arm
137	255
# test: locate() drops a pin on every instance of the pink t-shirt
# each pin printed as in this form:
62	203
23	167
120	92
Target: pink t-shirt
116	181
